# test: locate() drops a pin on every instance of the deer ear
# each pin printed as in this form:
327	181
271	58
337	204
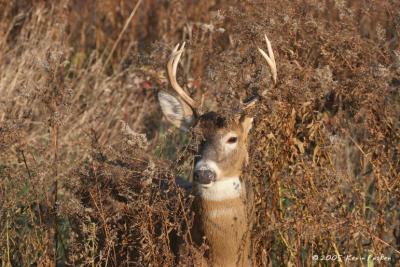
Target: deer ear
176	110
247	123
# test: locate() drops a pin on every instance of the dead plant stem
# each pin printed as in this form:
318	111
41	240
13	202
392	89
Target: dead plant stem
122	33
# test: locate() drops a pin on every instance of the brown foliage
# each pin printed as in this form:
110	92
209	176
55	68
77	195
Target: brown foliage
324	149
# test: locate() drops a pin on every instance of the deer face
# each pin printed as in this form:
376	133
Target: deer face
223	151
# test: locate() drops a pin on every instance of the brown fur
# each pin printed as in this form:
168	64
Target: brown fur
214	128
226	233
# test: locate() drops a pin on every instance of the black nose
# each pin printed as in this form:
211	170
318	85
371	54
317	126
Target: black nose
204	176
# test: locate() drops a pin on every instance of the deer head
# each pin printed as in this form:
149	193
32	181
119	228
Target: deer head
223	151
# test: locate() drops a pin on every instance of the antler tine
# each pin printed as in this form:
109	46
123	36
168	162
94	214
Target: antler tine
172	67
270	59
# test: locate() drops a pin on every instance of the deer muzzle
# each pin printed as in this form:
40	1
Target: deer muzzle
204	176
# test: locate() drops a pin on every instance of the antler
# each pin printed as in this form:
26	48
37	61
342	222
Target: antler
172	66
269	58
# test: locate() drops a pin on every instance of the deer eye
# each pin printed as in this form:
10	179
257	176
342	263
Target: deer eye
232	140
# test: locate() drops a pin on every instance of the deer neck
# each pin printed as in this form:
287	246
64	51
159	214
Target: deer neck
222	201
222	219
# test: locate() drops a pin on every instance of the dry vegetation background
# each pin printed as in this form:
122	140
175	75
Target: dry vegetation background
87	163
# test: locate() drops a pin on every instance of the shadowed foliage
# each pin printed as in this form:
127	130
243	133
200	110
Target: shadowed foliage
88	165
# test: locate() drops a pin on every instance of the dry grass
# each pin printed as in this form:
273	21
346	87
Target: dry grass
80	186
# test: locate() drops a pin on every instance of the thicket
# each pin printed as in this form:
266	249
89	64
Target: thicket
87	164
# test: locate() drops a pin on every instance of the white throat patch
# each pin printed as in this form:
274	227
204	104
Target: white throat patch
229	188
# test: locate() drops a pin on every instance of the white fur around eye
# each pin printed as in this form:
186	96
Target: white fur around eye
229	147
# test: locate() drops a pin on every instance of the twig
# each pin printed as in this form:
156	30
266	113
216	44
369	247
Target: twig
121	33
55	193
384	242
26	165
365	155
359	148
8	243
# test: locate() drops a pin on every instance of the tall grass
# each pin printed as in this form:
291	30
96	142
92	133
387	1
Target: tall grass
87	164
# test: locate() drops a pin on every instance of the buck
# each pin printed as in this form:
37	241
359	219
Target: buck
219	204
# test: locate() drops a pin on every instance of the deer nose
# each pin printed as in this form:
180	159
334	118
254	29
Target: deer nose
204	176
